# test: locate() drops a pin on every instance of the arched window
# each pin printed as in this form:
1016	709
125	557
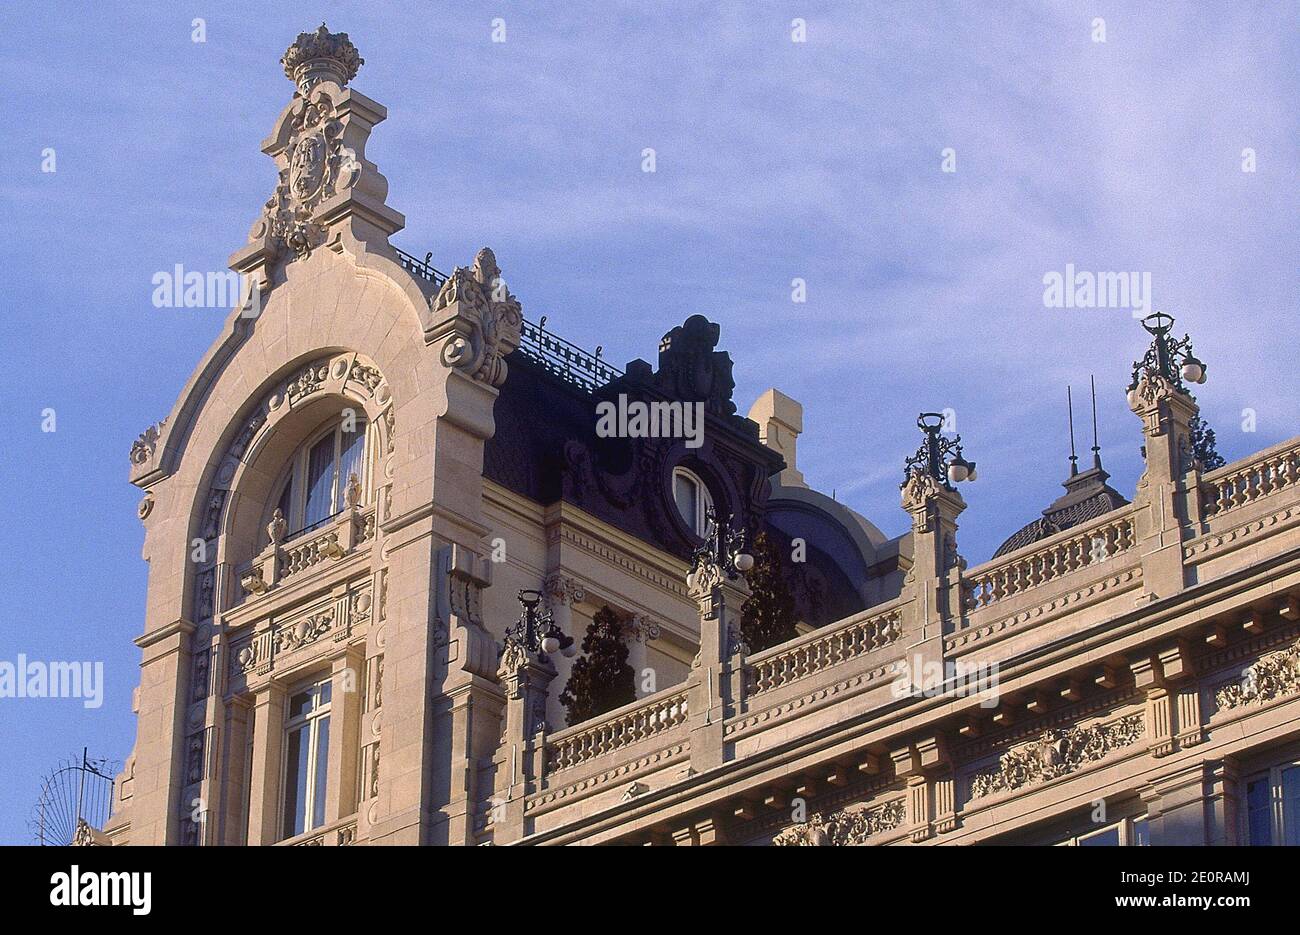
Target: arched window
315	484
693	500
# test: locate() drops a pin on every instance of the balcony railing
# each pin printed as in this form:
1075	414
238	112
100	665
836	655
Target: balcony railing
622	727
821	650
1235	485
1061	555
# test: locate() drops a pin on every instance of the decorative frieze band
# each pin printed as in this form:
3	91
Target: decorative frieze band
1273	676
1056	753
844	828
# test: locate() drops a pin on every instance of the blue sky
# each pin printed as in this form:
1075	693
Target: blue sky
775	160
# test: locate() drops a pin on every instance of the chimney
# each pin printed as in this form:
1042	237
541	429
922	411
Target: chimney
780	420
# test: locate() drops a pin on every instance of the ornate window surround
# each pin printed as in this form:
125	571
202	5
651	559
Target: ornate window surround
297	468
233	535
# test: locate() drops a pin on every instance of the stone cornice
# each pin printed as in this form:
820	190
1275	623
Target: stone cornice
180	627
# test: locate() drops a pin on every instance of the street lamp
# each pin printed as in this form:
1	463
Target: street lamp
938	457
1170	358
537	631
724	546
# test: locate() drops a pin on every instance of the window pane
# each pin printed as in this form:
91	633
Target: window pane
322	770
1107	838
1141	833
1291	806
1259	816
326	688
685	491
286	501
352	447
299	704
320	482
295	782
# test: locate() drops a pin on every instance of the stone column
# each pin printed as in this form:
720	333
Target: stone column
264	787
712	696
1168	501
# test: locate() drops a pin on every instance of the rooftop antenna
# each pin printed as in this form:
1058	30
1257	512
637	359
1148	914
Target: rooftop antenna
1069	405
1096	449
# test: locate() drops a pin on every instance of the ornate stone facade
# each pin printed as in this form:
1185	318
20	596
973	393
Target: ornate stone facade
1108	655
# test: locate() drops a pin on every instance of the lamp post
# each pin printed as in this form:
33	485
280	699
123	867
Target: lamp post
938	457
536	631
723	547
1170	358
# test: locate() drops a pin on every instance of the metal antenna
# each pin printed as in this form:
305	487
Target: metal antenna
1096	449
1069	405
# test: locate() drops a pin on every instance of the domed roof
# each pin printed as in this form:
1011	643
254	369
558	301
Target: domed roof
1087	496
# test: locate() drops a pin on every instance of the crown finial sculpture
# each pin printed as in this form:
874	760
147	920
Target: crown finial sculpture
320	55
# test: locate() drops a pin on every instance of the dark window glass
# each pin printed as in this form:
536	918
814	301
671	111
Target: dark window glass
1259	815
1107	838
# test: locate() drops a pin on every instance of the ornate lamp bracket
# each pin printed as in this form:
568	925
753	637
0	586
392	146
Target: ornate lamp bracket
937	465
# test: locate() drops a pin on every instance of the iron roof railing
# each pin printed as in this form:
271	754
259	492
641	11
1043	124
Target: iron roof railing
567	361
422	268
556	355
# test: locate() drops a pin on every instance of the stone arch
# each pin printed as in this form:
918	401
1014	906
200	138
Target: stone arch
226	515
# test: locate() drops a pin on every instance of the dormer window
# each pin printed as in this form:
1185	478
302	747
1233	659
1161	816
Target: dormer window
693	500
314	488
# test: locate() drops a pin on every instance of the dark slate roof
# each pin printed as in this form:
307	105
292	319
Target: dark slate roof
1087	496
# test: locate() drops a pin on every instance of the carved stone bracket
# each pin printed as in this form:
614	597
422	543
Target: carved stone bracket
477	320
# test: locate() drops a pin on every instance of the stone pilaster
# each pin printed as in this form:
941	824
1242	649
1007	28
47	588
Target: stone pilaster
1167	498
935	576
712	689
264	787
520	760
347	696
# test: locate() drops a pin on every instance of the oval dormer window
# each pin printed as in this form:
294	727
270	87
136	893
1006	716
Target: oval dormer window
693	500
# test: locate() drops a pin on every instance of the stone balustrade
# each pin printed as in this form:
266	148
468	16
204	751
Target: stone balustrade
337	834
1250	479
830	646
1053	558
648	717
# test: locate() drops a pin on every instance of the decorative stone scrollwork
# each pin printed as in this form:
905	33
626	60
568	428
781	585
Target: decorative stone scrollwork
1057	752
494	318
86	836
1273	676
304	631
918	490
144	447
319	167
703	580
641	629
560	589
844	828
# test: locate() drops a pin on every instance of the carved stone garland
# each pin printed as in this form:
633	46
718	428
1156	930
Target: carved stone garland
844	828
1057	752
1273	676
